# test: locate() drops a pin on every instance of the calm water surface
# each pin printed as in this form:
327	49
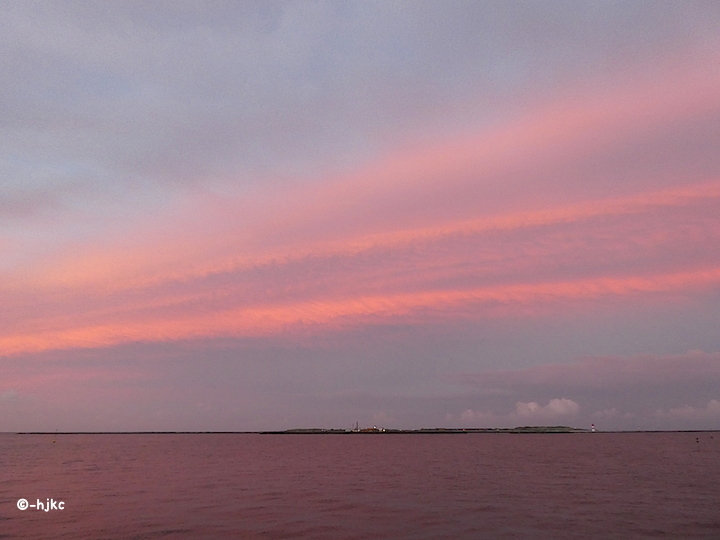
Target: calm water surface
475	486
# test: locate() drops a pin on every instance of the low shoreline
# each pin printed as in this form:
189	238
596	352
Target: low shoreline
370	431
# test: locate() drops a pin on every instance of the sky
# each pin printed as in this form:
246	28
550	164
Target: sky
269	215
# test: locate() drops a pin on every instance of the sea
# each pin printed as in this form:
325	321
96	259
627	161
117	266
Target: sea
360	486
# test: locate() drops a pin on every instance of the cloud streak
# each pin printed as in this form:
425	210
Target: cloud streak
645	247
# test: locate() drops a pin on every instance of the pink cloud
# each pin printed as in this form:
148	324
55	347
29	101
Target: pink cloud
545	157
653	247
461	228
524	299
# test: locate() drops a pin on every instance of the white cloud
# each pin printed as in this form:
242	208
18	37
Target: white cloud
556	408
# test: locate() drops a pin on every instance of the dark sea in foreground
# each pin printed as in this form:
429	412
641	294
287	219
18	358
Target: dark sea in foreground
474	486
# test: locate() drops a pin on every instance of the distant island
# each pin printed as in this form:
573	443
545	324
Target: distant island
331	431
426	431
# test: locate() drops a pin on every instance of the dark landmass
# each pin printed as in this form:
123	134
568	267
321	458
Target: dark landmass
323	431
427	431
371	431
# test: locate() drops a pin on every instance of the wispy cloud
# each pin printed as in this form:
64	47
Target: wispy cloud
640	248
